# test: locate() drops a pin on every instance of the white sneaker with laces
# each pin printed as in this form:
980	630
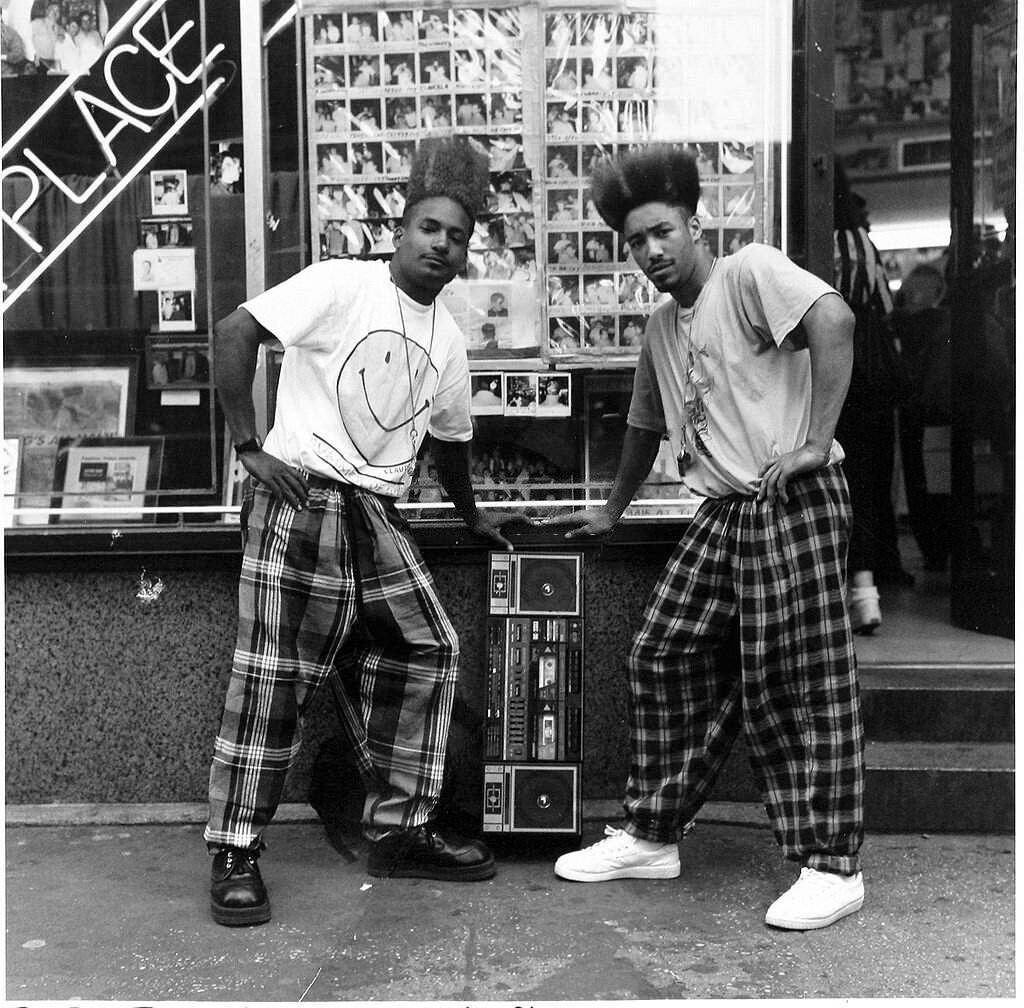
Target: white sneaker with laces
816	899
619	855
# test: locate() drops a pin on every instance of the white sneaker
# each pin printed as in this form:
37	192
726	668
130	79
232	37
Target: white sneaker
865	611
816	899
619	855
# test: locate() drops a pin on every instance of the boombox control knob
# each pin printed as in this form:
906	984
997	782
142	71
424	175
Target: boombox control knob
543	801
547	589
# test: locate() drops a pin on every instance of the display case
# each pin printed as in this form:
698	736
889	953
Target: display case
137	212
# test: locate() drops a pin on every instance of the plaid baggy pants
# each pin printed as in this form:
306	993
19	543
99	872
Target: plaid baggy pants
338	586
747	627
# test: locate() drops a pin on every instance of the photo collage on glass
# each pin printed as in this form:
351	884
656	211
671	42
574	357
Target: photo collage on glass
382	81
604	93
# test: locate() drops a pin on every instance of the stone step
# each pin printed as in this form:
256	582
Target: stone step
938	703
960	787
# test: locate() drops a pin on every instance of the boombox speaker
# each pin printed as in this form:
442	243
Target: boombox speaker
536	584
531	798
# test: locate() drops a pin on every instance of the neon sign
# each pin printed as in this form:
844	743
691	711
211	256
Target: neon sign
127	114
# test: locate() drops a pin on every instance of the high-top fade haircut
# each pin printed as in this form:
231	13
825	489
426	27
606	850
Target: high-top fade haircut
451	167
657	173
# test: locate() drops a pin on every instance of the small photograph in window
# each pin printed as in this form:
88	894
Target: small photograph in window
367	159
177	310
399	70
165	232
326	29
733	239
710	240
634	31
563	205
737	158
564	248
599	291
554	395
597	248
563	163
486	393
504	68
328	73
470	68
563	118
563	335
364	71
435	111
598	76
399	26
435	68
401	113
631	330
365	116
506	109
561	31
471	110
470	24
362	28
521	394
563	292
598	333
563	75
434	26
168	192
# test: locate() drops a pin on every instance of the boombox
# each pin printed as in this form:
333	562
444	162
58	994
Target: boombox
531	798
533	728
543	584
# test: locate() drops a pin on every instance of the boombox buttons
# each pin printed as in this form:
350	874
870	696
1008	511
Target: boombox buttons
534	723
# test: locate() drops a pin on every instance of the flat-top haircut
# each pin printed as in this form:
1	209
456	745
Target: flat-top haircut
658	173
451	167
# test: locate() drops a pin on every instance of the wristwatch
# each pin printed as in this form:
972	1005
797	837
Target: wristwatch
254	444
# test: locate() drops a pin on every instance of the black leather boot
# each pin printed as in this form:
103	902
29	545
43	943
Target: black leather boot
238	897
426	852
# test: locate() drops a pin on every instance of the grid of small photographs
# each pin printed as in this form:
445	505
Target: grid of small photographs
604	93
383	80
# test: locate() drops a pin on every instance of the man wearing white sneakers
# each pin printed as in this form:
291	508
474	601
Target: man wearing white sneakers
745	370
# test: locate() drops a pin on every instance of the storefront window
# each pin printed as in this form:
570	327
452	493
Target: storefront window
125	225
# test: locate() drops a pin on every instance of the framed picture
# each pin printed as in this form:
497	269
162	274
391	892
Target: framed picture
164	269
12	464
95	473
165	232
177	309
168	193
47	400
177	362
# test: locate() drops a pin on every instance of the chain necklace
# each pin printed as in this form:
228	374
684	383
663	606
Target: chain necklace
413	431
690	384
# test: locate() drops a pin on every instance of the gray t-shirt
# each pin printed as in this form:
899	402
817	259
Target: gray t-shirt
722	379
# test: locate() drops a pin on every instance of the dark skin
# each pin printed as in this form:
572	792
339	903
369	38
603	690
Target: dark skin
664	239
430	250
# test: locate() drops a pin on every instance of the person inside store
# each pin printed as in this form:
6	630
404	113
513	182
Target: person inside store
744	368
867	422
331	576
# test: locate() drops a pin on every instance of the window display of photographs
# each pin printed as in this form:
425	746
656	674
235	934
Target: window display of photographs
381	81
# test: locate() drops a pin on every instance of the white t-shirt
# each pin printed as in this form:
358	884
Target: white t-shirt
367	371
722	380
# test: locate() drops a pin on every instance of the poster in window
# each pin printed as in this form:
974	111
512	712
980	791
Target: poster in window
113	476
164	268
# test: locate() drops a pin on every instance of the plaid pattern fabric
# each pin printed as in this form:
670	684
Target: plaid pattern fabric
747	626
339	586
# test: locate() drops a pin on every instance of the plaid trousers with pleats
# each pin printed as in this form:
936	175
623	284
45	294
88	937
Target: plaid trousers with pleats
747	629
336	588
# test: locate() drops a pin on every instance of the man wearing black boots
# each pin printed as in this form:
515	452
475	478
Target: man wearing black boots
332	582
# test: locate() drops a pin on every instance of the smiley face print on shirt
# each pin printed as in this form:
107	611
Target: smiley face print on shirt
385	389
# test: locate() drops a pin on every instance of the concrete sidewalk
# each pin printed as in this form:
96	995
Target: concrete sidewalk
120	913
